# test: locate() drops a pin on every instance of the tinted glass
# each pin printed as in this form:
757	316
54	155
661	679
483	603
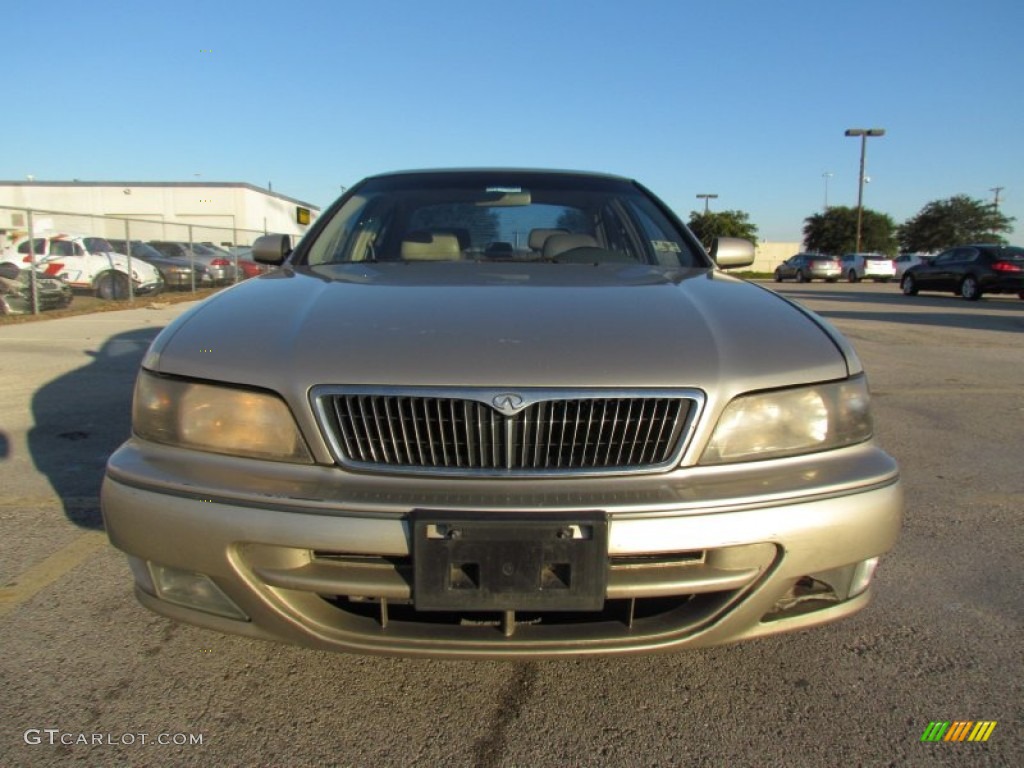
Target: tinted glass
97	245
502	217
1007	253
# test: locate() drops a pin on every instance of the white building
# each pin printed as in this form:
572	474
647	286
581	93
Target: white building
230	213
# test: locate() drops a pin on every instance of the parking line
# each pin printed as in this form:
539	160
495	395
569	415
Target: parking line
47	571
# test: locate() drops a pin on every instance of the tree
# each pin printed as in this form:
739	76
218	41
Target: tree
960	219
835	231
707	226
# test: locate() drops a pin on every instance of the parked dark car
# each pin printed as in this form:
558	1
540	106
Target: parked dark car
16	291
222	268
969	271
176	271
804	267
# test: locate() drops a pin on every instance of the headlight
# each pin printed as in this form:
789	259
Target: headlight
238	422
791	421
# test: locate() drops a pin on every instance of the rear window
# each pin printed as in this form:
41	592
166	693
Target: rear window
1009	253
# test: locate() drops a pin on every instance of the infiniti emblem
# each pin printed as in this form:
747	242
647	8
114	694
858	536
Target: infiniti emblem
508	403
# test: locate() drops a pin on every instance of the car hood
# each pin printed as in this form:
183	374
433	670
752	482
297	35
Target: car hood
501	325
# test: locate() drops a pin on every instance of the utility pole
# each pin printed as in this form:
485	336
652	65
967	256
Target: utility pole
706	196
997	190
863	133
827	175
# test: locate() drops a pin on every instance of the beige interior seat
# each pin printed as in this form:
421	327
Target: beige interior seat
559	244
431	246
539	236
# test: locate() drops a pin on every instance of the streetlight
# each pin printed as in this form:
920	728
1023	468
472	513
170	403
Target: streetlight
827	175
706	197
863	133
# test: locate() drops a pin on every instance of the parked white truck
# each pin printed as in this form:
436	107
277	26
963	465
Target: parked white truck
87	263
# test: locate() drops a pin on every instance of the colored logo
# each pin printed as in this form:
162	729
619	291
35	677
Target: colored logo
958	730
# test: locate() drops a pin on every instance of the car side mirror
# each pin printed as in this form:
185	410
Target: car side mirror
732	252
271	249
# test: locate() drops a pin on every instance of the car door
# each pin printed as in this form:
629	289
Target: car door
937	275
66	259
964	259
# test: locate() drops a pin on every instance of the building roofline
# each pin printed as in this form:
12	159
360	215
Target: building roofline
194	184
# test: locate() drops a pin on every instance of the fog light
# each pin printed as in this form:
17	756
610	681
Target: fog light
862	574
193	590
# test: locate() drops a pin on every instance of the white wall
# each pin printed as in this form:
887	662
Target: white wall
234	213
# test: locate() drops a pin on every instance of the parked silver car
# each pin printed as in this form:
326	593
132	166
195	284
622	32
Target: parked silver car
804	267
592	442
221	268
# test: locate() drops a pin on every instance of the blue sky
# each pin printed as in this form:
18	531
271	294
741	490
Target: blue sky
747	100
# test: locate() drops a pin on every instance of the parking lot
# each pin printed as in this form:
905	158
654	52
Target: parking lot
91	677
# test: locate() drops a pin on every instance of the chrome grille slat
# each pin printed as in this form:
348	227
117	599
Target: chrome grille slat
431	432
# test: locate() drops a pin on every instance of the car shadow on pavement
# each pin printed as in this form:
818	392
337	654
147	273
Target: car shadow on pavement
81	417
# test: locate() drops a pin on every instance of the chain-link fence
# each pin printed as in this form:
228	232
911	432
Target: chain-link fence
46	257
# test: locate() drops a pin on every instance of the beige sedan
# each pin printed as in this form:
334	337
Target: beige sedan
587	440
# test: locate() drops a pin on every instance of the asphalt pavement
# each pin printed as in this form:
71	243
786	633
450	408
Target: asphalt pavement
89	677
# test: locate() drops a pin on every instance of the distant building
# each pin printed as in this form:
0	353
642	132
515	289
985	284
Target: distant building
228	213
768	255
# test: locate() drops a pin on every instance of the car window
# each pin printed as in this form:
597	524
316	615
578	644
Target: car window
63	248
39	246
945	257
97	245
1007	253
460	219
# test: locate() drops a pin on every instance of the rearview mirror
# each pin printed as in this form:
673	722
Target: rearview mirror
732	252
271	249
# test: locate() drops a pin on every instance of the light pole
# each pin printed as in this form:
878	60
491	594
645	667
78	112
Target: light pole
706	197
863	133
826	176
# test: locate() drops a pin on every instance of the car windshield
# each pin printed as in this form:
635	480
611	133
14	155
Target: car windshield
97	245
146	251
484	216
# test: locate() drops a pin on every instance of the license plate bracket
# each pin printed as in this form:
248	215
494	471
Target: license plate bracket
468	561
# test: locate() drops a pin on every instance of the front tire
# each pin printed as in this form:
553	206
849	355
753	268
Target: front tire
112	286
908	285
778	276
969	288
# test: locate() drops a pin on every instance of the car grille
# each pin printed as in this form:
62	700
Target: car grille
464	433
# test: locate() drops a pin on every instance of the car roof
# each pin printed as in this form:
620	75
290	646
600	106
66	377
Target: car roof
498	170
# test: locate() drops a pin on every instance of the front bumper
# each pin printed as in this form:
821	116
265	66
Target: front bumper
696	557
